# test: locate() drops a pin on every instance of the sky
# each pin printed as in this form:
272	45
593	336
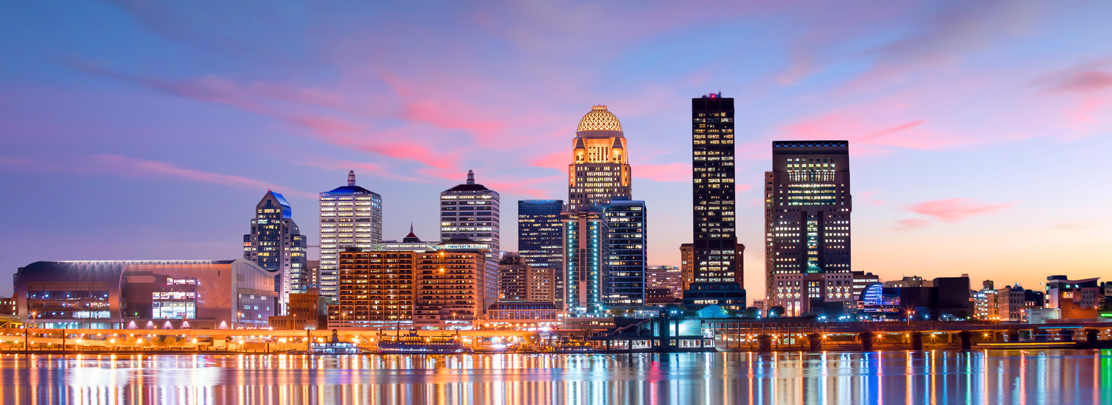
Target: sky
979	131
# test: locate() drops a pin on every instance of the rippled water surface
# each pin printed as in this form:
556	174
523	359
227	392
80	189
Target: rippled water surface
981	377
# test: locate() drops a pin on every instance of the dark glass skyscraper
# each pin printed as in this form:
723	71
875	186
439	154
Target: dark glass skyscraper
276	244
624	278
540	239
715	279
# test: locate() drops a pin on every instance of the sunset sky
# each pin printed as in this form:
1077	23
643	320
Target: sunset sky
979	131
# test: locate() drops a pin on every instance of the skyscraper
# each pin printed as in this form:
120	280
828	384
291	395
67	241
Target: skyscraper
276	244
624	275
807	224
599	170
350	216
715	279
540	240
471	211
585	253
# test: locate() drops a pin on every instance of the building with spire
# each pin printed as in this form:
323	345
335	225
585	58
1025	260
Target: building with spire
276	245
350	216
715	279
471	211
600	168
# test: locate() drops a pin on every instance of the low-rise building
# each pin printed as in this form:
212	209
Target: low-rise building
522	314
1075	299
192	294
307	310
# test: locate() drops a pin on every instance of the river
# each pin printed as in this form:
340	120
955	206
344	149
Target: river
894	377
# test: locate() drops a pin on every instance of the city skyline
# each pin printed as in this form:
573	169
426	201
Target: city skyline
958	172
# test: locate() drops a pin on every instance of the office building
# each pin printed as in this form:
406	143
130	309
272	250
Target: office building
350	216
147	294
471	211
1011	303
1075	299
985	304
455	285
908	281
807	220
305	311
540	240
665	277
860	281
716	279
624	275
520	281
600	168
585	253
276	244
687	265
311	275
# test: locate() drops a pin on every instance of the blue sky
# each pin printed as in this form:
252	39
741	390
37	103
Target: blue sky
149	130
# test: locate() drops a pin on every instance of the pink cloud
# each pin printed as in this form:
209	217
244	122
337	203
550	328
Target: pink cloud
1069	226
554	160
955	209
867	198
911	224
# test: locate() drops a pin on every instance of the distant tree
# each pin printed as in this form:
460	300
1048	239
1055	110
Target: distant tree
752	312
776	311
169	341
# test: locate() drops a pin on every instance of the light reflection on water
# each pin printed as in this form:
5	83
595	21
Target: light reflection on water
1033	376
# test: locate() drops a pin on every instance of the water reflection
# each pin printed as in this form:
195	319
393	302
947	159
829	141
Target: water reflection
936	377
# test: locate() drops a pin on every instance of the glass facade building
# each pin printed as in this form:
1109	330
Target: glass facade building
276	244
585	256
540	240
350	216
624	276
715	278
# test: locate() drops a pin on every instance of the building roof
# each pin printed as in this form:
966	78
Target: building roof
512	306
350	190
599	119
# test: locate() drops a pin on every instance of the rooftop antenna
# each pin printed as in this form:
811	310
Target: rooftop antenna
470	177
351	177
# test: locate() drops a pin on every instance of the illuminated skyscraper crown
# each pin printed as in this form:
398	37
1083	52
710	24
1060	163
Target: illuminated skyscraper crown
599	119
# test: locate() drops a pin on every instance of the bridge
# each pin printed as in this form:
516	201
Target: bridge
796	334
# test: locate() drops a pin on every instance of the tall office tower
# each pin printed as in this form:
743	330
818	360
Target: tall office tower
276	244
470	211
807	221
599	170
715	276
350	216
540	240
624	275
585	253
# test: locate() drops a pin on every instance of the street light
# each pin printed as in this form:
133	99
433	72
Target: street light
239	316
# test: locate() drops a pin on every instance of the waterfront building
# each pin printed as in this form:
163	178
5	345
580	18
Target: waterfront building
513	278
376	288
1011	303
665	277
860	281
807	218
455	284
276	244
146	294
600	170
716	275
307	310
524	314
540	241
1075	299
687	265
520	281
350	216
585	253
948	299
626	255
471	211
984	302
